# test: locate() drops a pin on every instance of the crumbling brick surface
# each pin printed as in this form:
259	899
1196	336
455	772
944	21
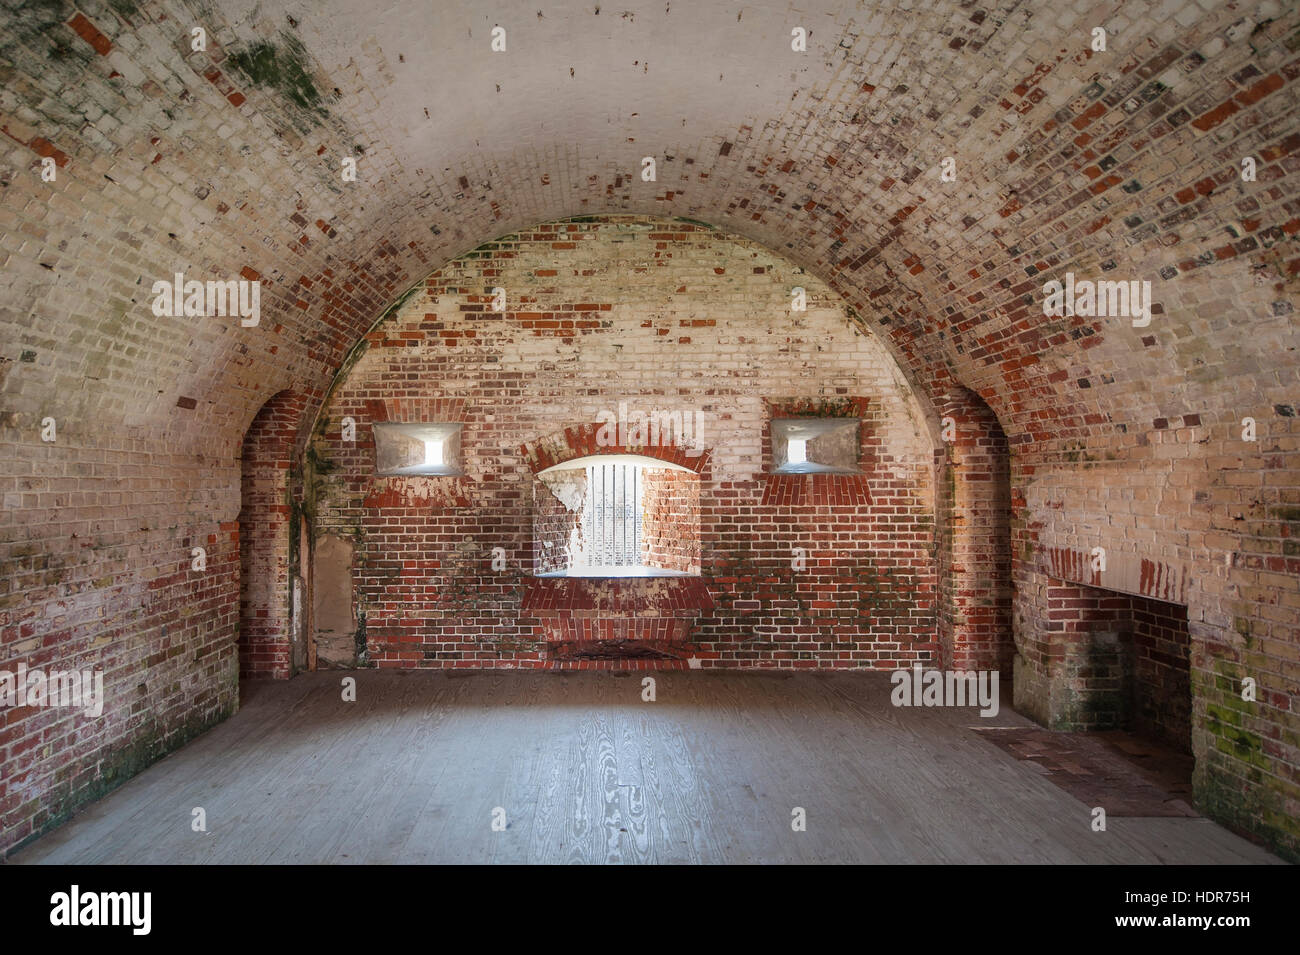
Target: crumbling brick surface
1124	163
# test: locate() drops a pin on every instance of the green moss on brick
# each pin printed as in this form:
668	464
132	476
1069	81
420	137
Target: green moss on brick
282	69
118	763
1241	805
40	25
126	9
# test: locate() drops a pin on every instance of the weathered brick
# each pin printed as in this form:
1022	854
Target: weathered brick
201	166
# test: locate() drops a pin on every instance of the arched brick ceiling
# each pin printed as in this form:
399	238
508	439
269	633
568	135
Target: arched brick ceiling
1117	164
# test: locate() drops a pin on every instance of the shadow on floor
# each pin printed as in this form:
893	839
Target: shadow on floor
1125	774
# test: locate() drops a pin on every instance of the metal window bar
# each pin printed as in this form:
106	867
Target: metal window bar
613	515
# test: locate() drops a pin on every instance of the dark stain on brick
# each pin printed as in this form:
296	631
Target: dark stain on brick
281	69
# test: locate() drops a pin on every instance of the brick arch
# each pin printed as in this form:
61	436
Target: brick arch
585	440
1059	163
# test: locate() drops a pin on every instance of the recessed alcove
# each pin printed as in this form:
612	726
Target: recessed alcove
618	516
616	541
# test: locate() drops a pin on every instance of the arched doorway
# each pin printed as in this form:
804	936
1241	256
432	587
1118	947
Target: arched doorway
975	588
271	643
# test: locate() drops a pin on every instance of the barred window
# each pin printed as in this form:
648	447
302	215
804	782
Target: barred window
612	516
616	515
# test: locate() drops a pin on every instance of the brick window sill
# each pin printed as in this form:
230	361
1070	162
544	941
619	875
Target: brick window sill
644	613
658	596
815	489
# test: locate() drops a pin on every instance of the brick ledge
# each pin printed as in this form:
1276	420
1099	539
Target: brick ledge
648	597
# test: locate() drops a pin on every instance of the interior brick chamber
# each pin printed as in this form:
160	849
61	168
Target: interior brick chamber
1125	163
567	355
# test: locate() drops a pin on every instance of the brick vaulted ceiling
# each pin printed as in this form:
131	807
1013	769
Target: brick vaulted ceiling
1120	164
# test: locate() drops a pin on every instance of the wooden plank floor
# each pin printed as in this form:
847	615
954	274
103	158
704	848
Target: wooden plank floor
587	772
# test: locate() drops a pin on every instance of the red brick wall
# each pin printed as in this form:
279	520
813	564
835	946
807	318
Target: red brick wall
974	533
670	501
119	594
564	351
1161	687
112	591
1088	632
1125	163
265	624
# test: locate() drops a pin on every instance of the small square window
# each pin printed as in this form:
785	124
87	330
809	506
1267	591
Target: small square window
815	445
431	449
